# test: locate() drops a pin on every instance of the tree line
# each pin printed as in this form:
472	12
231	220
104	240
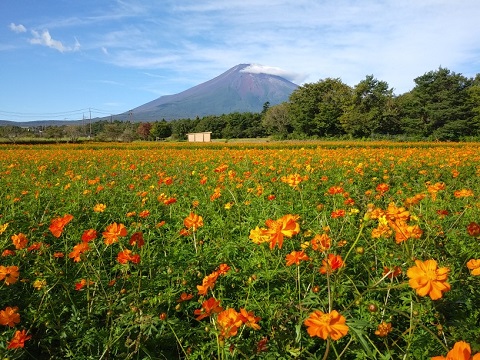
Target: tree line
443	105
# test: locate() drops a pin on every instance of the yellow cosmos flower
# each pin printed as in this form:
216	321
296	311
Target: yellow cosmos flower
99	208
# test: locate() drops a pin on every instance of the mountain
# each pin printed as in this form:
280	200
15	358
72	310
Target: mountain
236	90
243	88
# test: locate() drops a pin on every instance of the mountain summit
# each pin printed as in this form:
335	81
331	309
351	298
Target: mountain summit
243	88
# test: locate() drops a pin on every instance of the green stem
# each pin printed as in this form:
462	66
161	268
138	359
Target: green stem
362	226
178	340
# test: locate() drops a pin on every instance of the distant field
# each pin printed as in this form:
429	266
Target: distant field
239	249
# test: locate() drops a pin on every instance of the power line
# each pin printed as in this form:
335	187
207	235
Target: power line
55	115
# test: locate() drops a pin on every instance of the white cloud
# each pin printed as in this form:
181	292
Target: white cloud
77	45
17	28
271	70
46	39
192	40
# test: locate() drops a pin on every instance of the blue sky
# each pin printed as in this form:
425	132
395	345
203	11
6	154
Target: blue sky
61	59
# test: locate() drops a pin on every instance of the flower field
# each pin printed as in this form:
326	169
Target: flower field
314	250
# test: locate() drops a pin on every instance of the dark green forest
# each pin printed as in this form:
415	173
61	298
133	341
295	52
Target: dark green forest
443	105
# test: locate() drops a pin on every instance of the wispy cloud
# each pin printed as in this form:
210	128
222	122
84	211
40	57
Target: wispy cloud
272	70
395	41
17	28
46	39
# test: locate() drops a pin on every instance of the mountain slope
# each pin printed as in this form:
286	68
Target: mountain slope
236	90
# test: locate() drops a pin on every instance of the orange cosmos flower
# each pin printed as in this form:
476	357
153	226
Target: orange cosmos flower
8	252
89	235
392	273
337	213
473	229
293	180
9	316
333	262
78	250
80	285
135	259
18	340
474	266
223	269
442	213
249	319
383	329
229	321
208	282
57	224
403	231
413	200
169	201
19	240
382	230
144	214
35	246
321	242
99	208
124	256
434	189
325	325
295	257
184	297
427	279
461	351
209	307
193	221
394	213
463	193
382	188
184	232
285	226
137	239
113	232
335	190
221	168
9	273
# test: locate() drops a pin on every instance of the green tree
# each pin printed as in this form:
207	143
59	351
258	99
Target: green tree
474	105
112	131
161	130
439	105
214	124
276	121
371	109
236	123
11	132
253	126
74	132
180	128
315	109
54	132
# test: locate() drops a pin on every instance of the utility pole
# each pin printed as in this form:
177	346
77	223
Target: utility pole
90	123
